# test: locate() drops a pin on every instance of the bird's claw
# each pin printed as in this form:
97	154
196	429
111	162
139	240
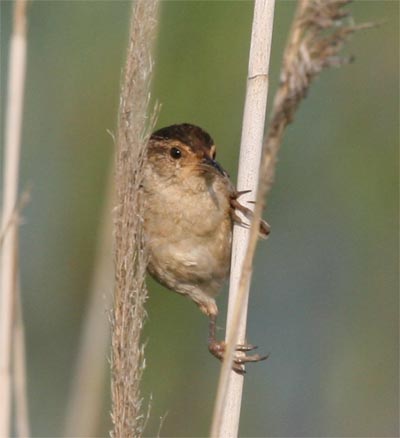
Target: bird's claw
217	349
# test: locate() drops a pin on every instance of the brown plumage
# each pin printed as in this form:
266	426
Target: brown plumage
190	208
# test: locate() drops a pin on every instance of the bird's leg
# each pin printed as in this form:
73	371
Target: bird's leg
217	349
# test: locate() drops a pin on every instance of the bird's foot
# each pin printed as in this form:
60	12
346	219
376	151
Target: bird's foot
264	230
217	349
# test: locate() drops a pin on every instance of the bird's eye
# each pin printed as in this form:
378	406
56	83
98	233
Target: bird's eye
175	153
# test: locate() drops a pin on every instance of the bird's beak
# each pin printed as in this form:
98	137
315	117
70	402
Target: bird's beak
210	162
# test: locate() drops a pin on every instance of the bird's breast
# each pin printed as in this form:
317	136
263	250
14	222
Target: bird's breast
188	233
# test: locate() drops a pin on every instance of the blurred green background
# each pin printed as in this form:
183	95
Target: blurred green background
324	298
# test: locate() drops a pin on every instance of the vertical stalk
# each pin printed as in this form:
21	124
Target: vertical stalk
9	264
130	261
319	31
229	395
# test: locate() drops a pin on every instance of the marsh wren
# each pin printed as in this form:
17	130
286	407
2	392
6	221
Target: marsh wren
190	209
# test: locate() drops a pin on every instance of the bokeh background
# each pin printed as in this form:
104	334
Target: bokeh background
324	298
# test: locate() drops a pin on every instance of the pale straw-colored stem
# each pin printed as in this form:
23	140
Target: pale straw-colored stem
228	402
318	33
8	261
87	397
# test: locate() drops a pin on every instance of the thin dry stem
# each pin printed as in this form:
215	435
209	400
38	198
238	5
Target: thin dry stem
87	393
310	49
134	129
15	218
229	395
9	263
319	31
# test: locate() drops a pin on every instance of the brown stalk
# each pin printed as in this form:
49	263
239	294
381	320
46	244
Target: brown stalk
134	128
319	31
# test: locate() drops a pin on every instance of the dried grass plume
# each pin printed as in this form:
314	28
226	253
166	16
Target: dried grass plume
134	128
319	31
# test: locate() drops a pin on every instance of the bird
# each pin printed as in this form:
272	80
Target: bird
190	208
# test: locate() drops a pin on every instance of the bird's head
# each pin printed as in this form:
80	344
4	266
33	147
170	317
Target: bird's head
183	151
